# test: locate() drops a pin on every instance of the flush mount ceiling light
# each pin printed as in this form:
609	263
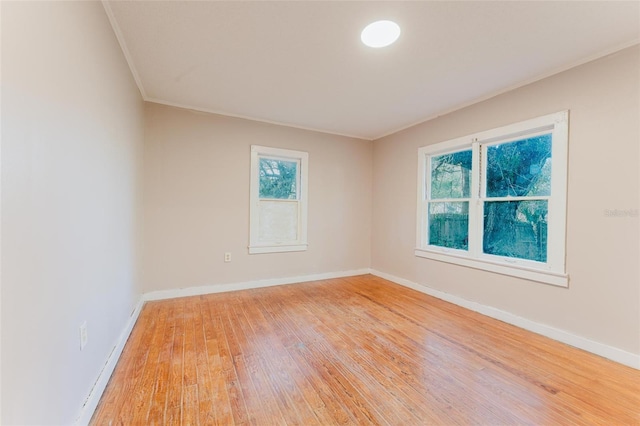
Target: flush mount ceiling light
380	33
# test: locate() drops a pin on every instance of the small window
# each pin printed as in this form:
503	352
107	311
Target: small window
278	195
496	200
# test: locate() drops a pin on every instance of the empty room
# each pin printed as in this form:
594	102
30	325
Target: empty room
320	212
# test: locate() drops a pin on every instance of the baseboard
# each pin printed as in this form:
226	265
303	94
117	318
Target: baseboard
606	351
92	400
220	288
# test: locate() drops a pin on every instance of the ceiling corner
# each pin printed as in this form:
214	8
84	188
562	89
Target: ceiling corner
123	47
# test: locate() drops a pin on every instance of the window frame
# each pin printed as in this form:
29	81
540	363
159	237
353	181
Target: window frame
553	271
275	246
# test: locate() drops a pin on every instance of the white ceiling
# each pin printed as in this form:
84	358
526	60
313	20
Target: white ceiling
302	64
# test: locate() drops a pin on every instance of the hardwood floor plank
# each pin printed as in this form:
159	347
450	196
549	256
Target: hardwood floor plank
190	373
355	364
133	361
158	402
258	389
278	405
305	378
357	350
191	407
141	402
326	399
174	396
173	416
207	412
231	381
203	376
222	404
279	368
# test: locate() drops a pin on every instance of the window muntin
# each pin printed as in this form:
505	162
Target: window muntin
496	200
278	208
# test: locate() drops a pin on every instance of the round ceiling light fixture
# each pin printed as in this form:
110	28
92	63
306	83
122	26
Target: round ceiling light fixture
380	33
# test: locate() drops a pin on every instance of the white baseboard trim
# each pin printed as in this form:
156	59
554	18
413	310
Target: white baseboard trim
245	285
601	349
91	403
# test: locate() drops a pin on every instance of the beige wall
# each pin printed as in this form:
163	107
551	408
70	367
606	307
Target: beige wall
71	169
196	201
603	300
72	131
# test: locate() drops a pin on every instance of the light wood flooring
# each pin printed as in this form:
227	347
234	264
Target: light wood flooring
357	350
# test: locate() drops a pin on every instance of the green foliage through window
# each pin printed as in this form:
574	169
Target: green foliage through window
451	175
278	178
450	179
520	169
516	229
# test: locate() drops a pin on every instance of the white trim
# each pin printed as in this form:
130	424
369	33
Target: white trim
277	249
246	285
251	118
91	403
302	187
0	216
123	45
597	348
560	280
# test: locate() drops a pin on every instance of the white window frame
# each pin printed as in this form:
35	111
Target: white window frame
553	271
275	246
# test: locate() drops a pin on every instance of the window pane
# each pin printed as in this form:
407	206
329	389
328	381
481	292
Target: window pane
516	229
451	175
278	179
449	225
520	168
278	221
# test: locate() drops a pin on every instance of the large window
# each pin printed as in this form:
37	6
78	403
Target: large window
278	196
496	200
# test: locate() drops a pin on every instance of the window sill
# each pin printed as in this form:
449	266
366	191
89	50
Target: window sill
560	280
277	248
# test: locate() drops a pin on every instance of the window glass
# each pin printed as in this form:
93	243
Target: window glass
449	225
516	229
451	175
278	221
278	178
520	168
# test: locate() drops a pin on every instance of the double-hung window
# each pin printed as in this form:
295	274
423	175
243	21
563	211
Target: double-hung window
278	197
496	200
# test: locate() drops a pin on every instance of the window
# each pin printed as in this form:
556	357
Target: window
496	200
278	209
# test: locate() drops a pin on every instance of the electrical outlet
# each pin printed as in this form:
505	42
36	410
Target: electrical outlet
227	257
84	335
